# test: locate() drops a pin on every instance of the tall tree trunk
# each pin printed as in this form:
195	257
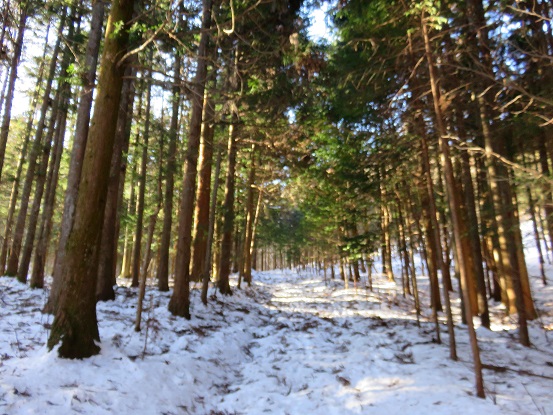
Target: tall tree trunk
512	257
141	190
40	174
246	271
147	255
201	224
127	248
39	262
206	272
79	144
454	203
58	115
386	238
23	156
6	119
474	238
163	269
252	263
228	216
180	302
108	247
75	323
13	261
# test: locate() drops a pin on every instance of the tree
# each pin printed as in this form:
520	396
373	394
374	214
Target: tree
75	324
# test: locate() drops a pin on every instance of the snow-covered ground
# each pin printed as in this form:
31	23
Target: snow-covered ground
290	344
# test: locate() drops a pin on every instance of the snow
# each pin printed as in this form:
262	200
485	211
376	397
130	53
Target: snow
293	343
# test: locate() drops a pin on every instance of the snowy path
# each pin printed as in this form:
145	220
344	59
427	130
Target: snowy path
288	345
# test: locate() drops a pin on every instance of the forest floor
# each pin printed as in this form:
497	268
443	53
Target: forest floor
292	343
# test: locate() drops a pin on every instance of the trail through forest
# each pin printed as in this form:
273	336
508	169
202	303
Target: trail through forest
293	343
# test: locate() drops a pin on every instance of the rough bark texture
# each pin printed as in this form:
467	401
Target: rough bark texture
180	302
108	247
79	144
228	217
454	203
75	324
201	224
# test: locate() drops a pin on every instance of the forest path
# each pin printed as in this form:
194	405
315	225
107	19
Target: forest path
310	347
290	344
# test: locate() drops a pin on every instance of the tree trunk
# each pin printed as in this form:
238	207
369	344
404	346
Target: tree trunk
228	216
207	263
180	302
246	270
6	119
23	156
13	261
454	203
58	115
37	275
79	144
75	324
141	191
163	269
108	247
127	248
386	238
201	224
40	173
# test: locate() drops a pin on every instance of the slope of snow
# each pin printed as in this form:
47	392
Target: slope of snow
293	343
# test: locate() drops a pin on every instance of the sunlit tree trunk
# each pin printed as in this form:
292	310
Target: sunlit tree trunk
180	302
201	224
75	324
454	203
228	215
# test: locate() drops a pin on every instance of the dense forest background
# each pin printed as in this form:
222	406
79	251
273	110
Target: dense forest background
182	141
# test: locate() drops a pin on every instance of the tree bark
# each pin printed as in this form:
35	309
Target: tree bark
454	203
108	247
228	216
79	144
246	268
180	302
201	224
141	191
75	323
206	272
